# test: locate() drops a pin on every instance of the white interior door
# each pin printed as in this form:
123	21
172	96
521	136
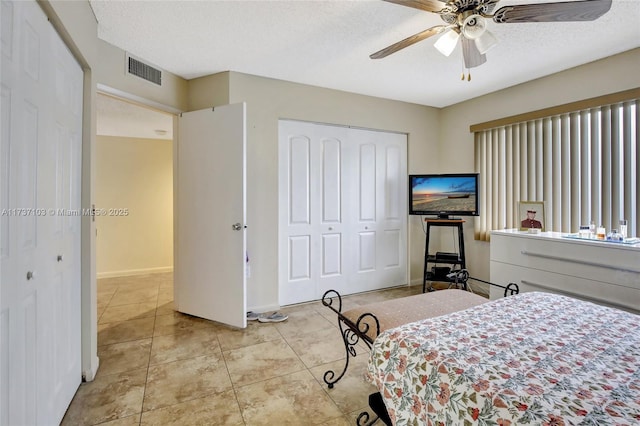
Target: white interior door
210	209
41	108
343	210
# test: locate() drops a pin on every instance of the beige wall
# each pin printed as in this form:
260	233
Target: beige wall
268	101
439	141
609	75
136	175
208	91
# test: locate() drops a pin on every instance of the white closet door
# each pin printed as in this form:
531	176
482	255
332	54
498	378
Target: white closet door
40	242
339	225
311	198
377	221
59	323
329	202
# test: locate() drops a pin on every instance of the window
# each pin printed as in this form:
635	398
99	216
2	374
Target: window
582	164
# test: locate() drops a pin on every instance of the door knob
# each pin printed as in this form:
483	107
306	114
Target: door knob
30	275
60	257
236	226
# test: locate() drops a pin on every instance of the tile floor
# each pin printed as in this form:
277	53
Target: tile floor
160	367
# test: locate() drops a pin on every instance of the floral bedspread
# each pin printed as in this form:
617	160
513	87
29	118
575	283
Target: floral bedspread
530	359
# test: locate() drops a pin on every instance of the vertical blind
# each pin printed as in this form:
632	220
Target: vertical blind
583	165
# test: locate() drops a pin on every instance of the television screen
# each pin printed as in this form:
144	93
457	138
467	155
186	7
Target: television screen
444	195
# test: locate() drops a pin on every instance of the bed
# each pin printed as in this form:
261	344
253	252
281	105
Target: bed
365	323
533	358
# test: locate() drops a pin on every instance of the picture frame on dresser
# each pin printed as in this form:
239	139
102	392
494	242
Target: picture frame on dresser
531	215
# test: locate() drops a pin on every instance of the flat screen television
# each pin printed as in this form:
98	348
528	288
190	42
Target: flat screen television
444	195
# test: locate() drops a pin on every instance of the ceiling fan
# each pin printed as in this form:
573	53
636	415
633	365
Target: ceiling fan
466	21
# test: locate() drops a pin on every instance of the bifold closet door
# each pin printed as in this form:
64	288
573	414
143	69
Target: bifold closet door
342	218
40	167
311	215
377	210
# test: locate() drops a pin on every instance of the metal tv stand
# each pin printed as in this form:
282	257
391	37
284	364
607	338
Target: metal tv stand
440	257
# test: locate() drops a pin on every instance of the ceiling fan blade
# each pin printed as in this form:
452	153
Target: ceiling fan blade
408	41
584	10
471	54
426	5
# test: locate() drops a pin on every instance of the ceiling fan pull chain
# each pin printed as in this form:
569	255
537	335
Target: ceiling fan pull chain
468	75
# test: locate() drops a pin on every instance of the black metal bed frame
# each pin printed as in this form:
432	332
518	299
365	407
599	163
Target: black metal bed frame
352	333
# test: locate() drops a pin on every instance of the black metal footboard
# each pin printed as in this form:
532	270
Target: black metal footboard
460	278
351	333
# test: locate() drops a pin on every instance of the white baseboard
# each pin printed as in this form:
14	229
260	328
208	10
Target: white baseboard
89	374
417	281
132	272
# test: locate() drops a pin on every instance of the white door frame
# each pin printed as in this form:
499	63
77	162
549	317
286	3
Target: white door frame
90	362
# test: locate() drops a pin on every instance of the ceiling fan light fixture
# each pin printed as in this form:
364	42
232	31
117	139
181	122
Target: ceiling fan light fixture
473	26
485	42
447	42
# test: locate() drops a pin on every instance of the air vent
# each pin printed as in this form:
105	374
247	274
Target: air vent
144	71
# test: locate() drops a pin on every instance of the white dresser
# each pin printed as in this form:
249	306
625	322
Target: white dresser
601	272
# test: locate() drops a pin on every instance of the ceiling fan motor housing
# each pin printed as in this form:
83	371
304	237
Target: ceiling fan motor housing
453	10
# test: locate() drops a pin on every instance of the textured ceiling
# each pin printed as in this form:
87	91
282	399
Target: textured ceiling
328	43
119	118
